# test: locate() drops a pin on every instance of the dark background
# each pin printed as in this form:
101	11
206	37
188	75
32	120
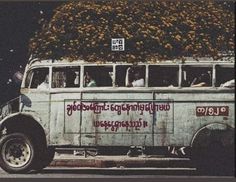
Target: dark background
18	23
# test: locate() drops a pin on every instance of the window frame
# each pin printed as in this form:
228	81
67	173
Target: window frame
215	71
210	66
98	65
165	65
66	66
33	73
129	64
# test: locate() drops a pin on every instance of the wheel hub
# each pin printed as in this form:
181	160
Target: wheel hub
16	152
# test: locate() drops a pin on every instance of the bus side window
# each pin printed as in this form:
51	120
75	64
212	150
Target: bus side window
66	77
225	77
130	76
163	76
37	78
98	76
193	76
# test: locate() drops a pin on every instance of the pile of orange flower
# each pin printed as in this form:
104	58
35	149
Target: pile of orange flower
153	30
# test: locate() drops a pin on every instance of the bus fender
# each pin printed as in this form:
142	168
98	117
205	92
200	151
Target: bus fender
22	122
214	132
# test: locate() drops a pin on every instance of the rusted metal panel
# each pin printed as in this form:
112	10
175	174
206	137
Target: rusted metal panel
187	123
86	120
92	124
113	118
117	139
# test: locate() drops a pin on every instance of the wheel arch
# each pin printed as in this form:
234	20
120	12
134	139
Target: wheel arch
25	123
206	131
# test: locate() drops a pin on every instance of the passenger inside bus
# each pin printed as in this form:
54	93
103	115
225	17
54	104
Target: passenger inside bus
76	80
45	84
38	78
65	77
203	80
70	78
98	76
225	77
89	80
163	76
229	84
134	78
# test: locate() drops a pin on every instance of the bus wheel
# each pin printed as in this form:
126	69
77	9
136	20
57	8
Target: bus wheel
213	156
45	159
17	153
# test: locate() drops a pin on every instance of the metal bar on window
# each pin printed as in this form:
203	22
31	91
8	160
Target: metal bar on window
214	76
50	77
114	76
82	76
180	76
147	72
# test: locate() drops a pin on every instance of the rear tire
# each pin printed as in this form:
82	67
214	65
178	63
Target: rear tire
213	153
210	160
17	153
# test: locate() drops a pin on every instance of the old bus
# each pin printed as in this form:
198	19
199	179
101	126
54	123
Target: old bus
111	106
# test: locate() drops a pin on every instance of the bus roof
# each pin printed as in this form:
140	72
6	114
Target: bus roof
185	60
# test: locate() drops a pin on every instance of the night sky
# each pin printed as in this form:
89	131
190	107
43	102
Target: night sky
18	23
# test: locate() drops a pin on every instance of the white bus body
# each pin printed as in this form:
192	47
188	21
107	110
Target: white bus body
118	116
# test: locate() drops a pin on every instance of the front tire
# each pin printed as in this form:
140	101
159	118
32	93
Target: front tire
44	159
17	153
